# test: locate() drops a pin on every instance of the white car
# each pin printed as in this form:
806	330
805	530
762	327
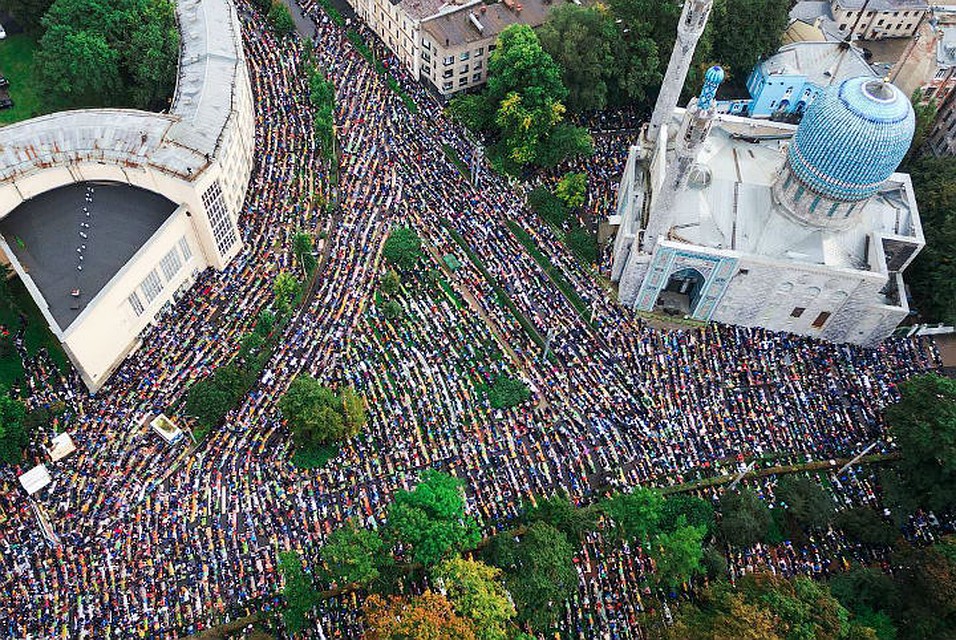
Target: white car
3	33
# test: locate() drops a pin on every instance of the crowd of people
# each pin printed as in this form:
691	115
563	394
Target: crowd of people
161	541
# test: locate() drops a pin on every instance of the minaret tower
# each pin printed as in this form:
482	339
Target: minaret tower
694	129
693	19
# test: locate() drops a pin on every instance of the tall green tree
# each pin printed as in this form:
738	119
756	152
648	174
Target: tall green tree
572	188
477	593
402	248
557	511
744	518
318	416
298	594
28	13
286	288
695	511
302	248
354	554
932	276
431	518
923	423
281	19
678	554
647	30
746	31
805	501
210	399
14	433
635	516
539	572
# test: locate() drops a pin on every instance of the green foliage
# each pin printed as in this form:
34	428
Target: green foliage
286	288
265	323
389	283
747	30
15	432
863	590
210	399
539	572
391	309
507	392
263	5
714	564
431	519
27	13
572	188
109	52
678	554
332	12
635	515
695	511
583	244
299	596
402	248
476	593
317	416
927	584
863	524
302	248
744	518
806	501
322	97
925	118
557	511
548	206
280	19
473	111
923	423
645	39
932	276
353	554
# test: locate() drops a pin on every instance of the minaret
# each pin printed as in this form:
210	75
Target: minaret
693	19
694	129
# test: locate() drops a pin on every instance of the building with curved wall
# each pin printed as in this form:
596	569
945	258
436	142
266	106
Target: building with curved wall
148	199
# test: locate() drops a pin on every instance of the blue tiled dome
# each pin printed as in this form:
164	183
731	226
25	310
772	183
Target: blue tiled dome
852	138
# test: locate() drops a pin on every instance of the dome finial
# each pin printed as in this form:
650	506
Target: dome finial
712	79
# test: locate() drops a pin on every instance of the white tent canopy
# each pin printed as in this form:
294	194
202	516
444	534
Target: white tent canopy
35	479
61	447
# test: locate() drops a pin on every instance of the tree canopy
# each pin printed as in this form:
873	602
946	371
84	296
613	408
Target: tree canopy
507	392
429	615
28	13
746	31
805	501
109	52
678	554
210	399
14	431
557	511
572	188
744	518
402	248
431	519
353	554
923	423
299	596
477	594
318	416
635	515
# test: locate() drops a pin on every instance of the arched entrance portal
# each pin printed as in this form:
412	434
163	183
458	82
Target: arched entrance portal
682	293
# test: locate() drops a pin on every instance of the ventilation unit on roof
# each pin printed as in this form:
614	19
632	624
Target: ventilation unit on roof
476	22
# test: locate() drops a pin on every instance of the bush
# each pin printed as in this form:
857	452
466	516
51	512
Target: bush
403	248
583	244
548	206
506	392
280	19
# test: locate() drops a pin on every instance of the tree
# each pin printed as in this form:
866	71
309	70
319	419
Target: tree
431	518
747	30
805	501
580	39
863	524
744	518
572	188
116	52
927	585
677	554
281	19
539	572
402	248
507	392
635	515
429	616
210	399
391	309
353	410
298	593
646	37
286	288
923	423
932	277
583	244
473	110
353	554
389	283
557	511
548	206
476	593
317	416
14	432
302	248
695	511
925	113
865	590
265	323
28	13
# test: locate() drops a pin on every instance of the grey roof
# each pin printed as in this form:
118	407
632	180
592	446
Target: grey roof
43	233
822	63
946	45
178	142
421	9
884	5
816	12
459	25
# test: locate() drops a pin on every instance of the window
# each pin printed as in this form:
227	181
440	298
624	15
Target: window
814	203
184	248
152	286
136	303
880	23
222	230
426	57
478	65
170	264
447	73
448	60
464	55
480	52
463	81
476	77
797	312
464	69
833	209
448	85
821	319
799	193
491	47
426	45
843	27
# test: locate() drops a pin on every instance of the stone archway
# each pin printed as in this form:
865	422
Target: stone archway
681	294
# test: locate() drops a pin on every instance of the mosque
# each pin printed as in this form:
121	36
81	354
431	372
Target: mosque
806	229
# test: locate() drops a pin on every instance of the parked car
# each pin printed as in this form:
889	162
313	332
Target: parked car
3	32
6	103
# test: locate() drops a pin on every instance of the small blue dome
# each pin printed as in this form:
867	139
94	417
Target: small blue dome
852	138
712	80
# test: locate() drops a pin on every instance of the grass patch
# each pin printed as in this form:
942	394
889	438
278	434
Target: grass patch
36	336
315	457
553	272
452	154
332	12
16	63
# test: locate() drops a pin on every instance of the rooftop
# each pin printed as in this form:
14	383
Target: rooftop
178	143
883	5
817	13
477	22
44	234
822	63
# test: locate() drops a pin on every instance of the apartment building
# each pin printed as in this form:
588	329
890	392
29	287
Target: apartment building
878	19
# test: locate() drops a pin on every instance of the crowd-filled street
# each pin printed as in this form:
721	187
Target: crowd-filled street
161	541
